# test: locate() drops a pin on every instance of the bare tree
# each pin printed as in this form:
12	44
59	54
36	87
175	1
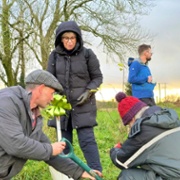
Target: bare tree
28	29
12	50
113	22
5	54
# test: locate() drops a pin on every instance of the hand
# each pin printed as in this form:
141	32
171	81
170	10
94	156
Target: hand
86	175
83	97
149	79
58	148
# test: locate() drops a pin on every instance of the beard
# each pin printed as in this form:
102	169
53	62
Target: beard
148	59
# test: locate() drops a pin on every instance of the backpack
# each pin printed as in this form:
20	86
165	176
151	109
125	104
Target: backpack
130	60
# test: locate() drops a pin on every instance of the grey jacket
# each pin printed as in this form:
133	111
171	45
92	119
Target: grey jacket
18	142
162	157
76	73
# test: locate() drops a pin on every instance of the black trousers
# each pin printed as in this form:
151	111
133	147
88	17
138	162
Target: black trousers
87	143
148	101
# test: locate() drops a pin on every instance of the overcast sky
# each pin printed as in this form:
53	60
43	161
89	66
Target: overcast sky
163	22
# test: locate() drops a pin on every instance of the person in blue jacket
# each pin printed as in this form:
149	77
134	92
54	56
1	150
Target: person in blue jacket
140	76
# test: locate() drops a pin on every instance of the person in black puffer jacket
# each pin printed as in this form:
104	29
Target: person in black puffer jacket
78	71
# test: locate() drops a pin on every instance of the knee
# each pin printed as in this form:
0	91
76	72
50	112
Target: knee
87	143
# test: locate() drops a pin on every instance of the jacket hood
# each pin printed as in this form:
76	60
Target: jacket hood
156	117
131	60
68	26
165	118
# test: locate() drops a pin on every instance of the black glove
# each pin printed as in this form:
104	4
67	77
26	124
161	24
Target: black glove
83	97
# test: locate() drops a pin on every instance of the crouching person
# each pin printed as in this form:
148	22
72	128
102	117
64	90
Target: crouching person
21	136
152	148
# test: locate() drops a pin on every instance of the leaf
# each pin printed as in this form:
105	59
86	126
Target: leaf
93	90
56	111
61	111
121	66
57	97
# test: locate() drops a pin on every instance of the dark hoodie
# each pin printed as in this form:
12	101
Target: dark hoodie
162	157
76	73
68	26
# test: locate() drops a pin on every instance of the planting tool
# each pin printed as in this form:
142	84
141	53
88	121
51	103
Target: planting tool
55	174
78	161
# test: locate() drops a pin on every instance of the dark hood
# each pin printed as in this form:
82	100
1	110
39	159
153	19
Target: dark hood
68	26
157	117
130	60
164	118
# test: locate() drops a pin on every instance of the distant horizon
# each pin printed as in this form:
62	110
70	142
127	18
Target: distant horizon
108	91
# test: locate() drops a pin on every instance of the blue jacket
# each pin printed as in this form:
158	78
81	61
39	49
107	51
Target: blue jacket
138	76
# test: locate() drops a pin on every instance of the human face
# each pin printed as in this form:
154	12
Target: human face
45	96
69	40
148	54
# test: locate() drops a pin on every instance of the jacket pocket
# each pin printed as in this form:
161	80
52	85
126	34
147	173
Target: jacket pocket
145	86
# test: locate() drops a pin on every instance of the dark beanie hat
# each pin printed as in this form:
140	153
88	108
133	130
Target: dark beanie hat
128	106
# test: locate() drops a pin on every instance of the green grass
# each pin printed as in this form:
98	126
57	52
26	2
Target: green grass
108	132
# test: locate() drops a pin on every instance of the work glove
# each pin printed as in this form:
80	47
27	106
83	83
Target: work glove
83	97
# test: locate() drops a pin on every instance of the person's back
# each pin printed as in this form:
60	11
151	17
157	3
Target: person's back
159	151
10	97
152	148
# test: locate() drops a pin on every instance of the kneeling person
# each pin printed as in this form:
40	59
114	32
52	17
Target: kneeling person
152	148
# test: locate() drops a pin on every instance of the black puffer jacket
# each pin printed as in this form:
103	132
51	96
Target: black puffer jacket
76	73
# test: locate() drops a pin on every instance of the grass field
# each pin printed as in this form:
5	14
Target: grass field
108	132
